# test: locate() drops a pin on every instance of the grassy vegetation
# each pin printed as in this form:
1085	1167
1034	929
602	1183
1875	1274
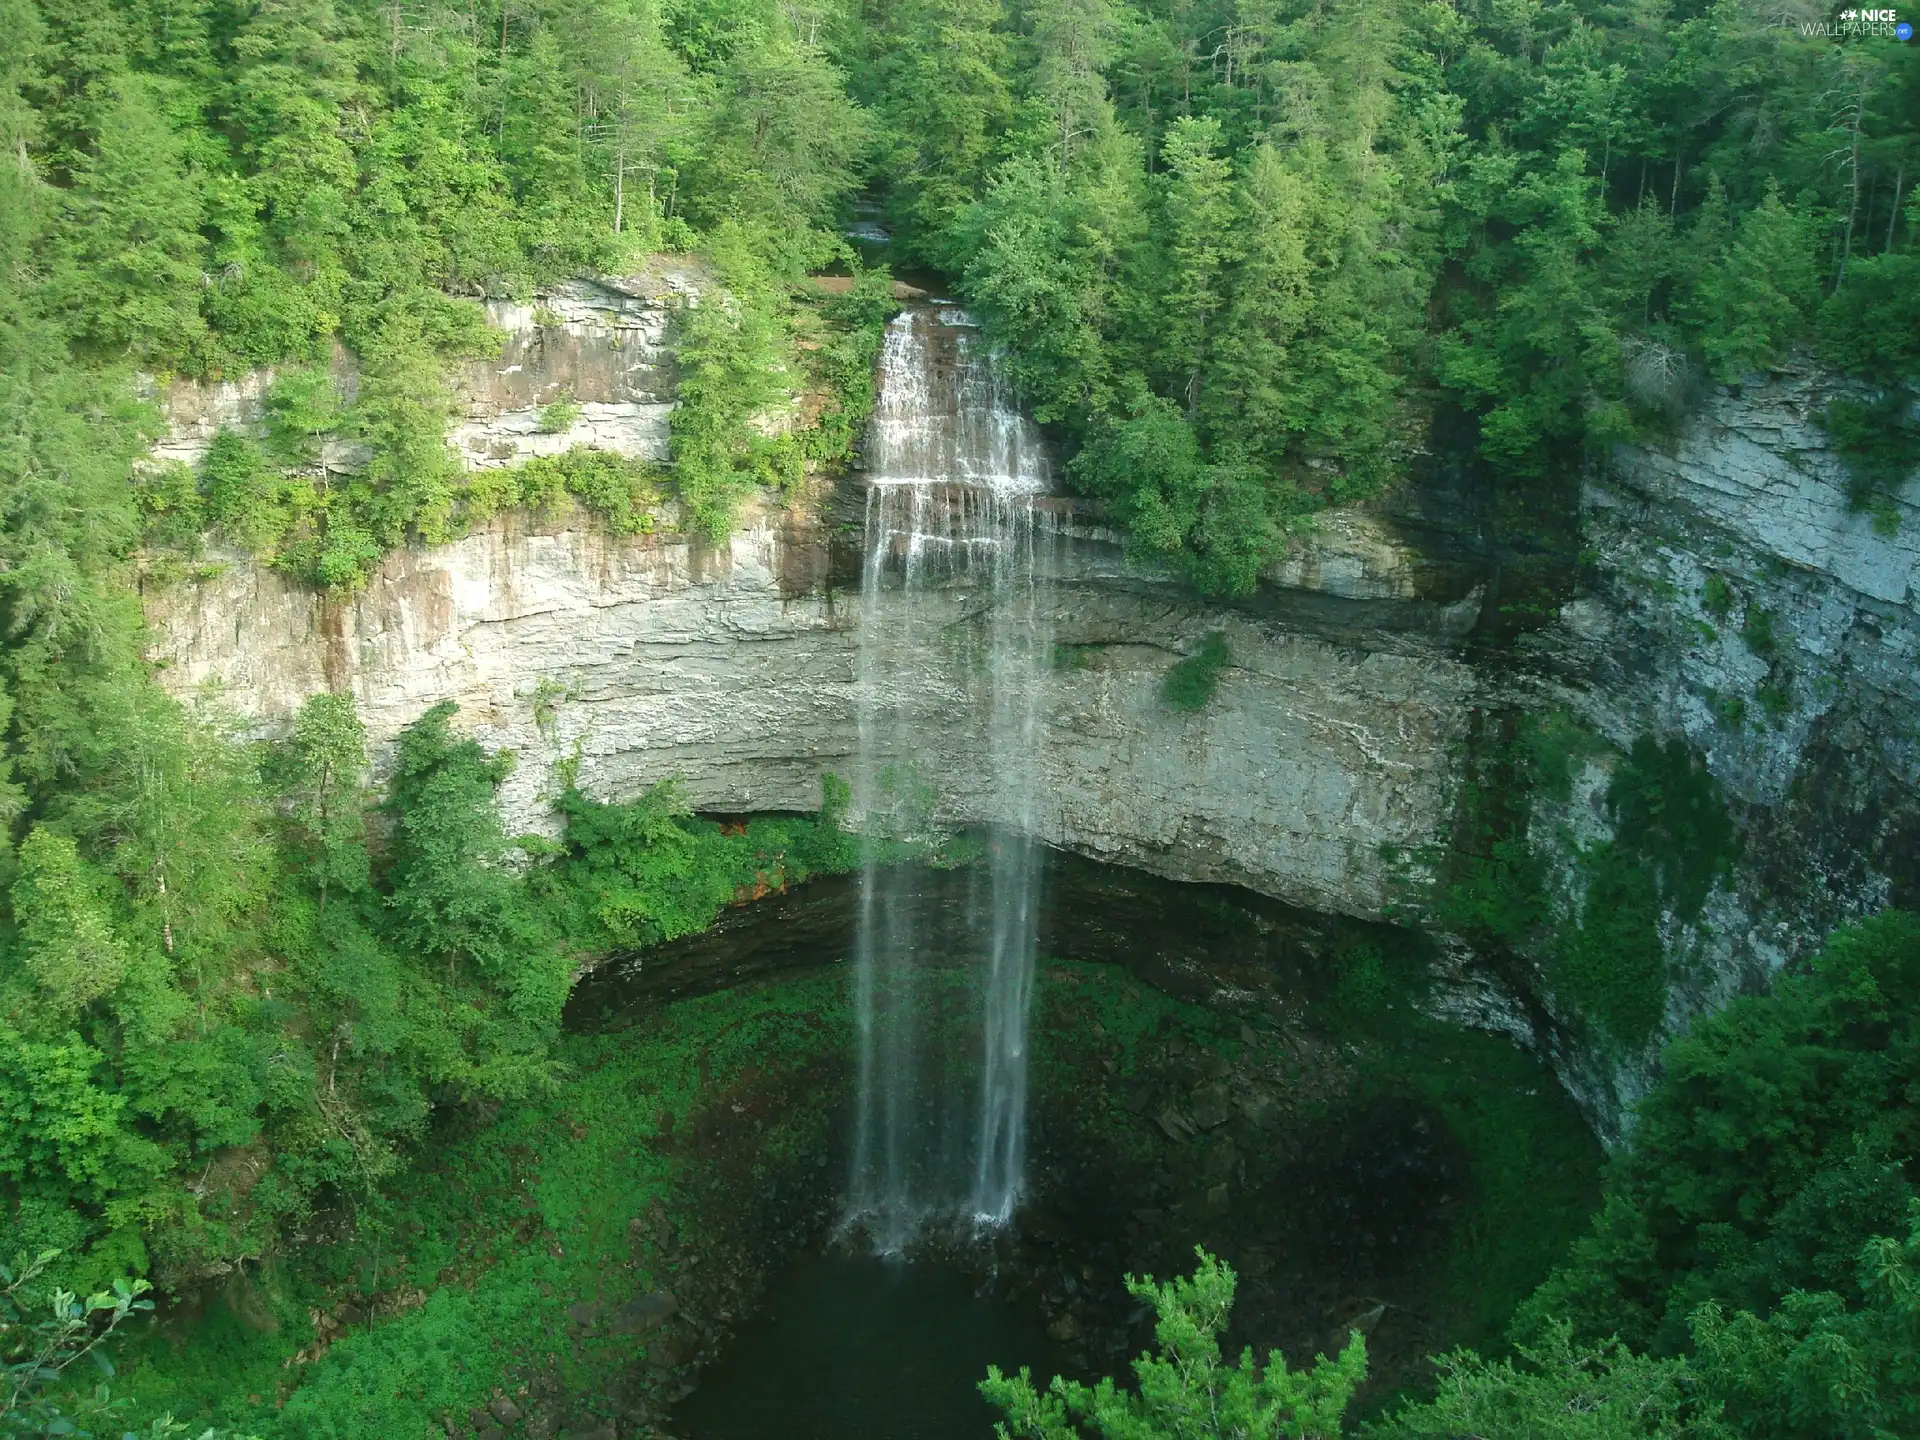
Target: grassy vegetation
457	1287
1533	1163
519	1215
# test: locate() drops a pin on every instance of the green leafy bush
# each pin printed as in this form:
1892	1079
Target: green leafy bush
637	874
1671	815
559	415
1189	684
1610	965
1769	1154
622	491
1717	597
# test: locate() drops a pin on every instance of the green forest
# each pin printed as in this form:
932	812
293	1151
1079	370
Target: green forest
1245	259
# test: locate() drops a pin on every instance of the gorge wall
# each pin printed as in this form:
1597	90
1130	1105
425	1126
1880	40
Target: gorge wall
731	671
1735	598
1325	772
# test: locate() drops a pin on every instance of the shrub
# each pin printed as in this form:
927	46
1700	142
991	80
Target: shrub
1189	684
1716	597
558	415
1187	1389
1611	966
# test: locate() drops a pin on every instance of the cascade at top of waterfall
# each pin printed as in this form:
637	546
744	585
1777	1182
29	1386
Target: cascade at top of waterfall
945	415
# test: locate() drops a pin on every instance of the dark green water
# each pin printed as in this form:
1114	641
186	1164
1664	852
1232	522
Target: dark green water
864	1349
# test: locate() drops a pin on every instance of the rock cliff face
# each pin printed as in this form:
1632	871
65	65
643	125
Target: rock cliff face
1728	596
731	671
1738	601
599	344
1744	604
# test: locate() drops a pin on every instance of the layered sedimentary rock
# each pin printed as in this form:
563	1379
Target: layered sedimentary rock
1740	599
730	671
585	364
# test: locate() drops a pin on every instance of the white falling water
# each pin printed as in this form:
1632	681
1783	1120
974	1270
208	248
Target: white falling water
952	623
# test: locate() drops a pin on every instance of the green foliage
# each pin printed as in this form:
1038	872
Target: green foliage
1769	1154
1758	297
1557	1390
1189	684
1187	1388
733	382
1553	746
1756	628
456	900
1670	814
1818	1367
1717	597
516	1212
557	416
637	874
1611	966
1558	221
216	1015
35	1353
245	494
1880	443
842	352
1361	984
1760	1235
1673	841
1868	329
1871	327
204	195
622	491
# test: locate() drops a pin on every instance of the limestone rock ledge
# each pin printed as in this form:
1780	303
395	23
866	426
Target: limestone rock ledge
600	343
1728	594
731	671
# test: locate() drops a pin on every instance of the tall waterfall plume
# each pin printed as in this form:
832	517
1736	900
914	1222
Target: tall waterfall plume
952	623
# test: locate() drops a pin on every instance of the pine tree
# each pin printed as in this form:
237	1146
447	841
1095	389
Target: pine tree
1197	214
940	89
67	940
1249	383
1761	293
134	253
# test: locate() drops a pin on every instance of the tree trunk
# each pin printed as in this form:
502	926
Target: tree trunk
1853	184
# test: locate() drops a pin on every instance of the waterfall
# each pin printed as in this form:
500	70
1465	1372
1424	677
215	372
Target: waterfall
951	624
